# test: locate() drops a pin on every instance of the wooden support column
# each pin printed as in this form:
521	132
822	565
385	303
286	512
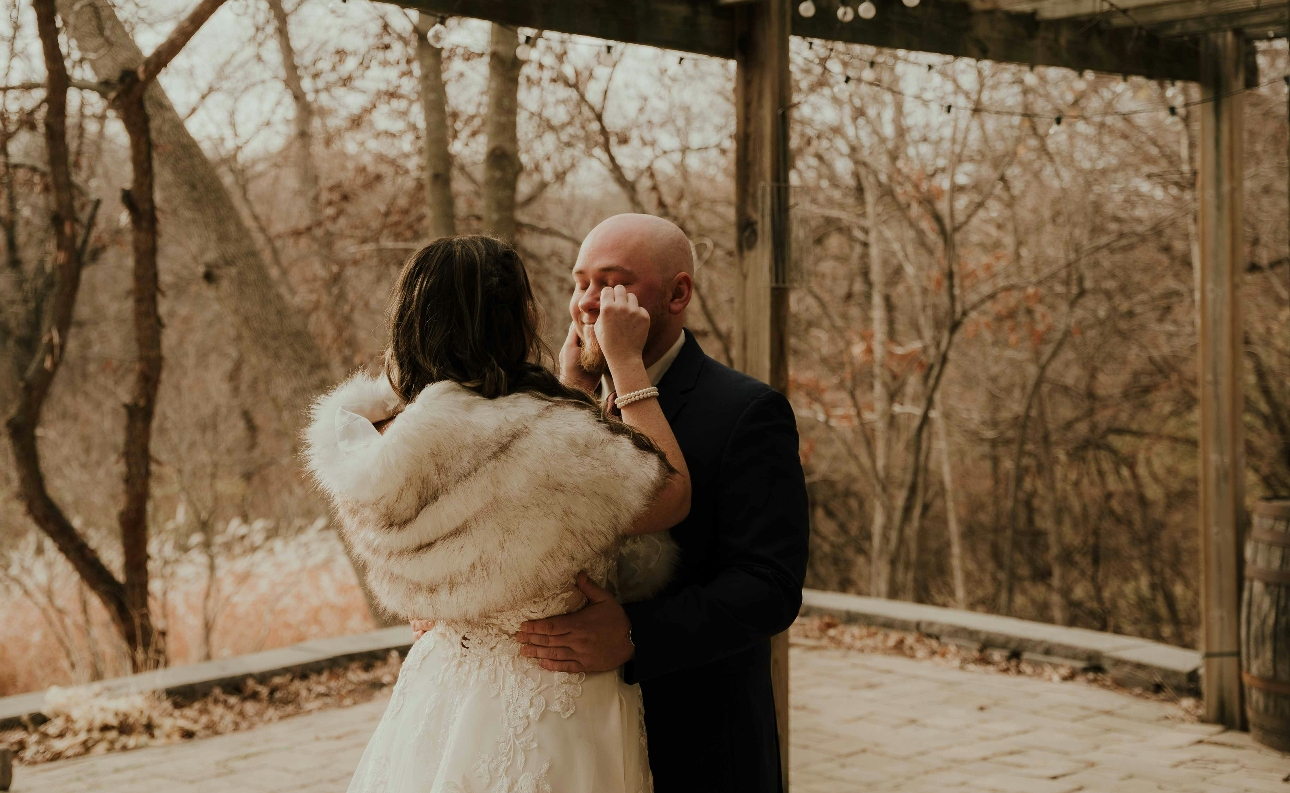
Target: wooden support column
763	95
1222	457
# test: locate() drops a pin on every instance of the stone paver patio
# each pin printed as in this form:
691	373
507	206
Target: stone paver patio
860	723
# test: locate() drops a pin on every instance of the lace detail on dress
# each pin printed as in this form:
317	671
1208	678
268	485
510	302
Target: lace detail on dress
487	653
469	714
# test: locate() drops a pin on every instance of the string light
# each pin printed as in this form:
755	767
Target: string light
846	13
525	51
1056	118
807	8
910	3
868	9
436	35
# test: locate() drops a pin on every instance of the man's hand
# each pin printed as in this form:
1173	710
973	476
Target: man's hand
593	639
571	372
421	628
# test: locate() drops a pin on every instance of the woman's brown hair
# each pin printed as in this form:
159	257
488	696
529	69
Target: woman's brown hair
463	310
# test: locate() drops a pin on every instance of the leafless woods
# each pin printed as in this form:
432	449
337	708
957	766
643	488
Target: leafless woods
993	338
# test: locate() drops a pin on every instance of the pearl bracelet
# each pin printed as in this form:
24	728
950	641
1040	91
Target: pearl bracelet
624	400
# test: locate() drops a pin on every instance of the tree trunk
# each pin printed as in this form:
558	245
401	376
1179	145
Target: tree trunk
54	322
269	329
1018	463
317	228
951	513
306	169
914	531
882	551
1054	517
502	162
440	212
149	650
304	117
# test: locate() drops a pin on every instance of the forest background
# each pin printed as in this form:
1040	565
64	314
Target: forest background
994	305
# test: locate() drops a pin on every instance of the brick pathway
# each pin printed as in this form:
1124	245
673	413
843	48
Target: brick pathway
860	723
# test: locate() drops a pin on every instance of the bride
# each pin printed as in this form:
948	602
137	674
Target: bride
474	486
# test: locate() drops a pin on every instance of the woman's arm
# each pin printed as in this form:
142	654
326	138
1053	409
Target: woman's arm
621	330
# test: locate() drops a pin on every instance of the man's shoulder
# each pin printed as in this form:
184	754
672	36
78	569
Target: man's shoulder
730	389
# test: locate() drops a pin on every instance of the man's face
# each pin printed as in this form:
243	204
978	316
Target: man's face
596	269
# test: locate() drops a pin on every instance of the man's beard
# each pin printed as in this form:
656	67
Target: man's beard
591	358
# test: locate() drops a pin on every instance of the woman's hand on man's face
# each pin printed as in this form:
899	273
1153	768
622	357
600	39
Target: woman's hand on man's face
622	327
571	372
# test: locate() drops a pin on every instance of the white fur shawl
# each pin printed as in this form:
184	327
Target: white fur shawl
467	507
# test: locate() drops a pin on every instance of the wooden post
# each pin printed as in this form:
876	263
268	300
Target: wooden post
762	98
1222	458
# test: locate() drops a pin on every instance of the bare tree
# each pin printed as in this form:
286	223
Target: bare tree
953	528
440	207
127	98
502	166
200	203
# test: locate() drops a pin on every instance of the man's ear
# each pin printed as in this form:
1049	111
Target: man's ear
682	293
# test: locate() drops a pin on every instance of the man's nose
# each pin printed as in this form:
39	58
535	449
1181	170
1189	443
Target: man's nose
590	303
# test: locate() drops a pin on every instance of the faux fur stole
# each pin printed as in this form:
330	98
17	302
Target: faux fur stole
468	507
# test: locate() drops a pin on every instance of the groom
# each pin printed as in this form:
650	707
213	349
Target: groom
701	649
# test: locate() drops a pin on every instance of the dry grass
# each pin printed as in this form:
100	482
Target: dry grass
269	591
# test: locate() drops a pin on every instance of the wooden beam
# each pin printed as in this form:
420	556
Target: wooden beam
949	27
1258	21
955	28
1128	12
696	26
1222	454
763	96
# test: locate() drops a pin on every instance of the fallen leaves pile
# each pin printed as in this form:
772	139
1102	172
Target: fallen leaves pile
827	631
86	720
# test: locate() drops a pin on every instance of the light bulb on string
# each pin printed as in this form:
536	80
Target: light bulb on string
910	3
1031	79
867	75
868	10
806	9
436	35
846	13
524	52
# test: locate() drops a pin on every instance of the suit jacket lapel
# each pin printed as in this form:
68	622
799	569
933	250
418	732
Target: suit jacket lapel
675	387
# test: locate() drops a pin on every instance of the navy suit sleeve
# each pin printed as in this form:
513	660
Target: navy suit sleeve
762	531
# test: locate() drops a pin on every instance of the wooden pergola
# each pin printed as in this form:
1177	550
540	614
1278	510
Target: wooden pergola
1205	41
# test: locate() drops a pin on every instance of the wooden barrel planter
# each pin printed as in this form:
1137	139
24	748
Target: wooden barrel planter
1265	625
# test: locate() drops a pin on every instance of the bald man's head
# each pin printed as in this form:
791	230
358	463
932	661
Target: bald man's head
650	242
649	256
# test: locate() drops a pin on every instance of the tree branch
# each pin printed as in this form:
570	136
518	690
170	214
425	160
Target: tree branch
177	40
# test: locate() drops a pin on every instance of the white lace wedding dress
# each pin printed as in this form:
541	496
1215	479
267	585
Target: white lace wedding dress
469	714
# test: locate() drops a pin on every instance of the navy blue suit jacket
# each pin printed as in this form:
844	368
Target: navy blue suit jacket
703	646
